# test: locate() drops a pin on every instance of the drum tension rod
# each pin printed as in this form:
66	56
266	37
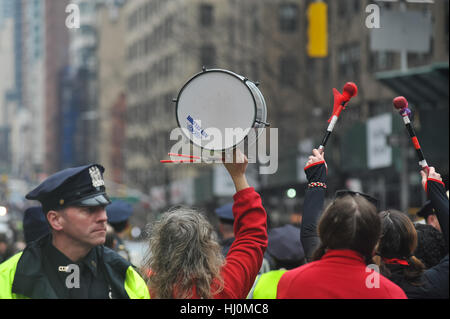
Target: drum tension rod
255	83
261	122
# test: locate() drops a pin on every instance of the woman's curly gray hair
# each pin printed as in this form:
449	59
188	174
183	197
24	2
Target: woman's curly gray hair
184	255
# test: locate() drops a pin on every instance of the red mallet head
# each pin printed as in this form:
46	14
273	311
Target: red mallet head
350	90
400	103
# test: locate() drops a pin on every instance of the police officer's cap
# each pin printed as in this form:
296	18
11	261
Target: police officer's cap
118	211
34	224
225	213
426	210
77	186
284	243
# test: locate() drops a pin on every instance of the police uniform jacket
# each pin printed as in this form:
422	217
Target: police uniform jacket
26	275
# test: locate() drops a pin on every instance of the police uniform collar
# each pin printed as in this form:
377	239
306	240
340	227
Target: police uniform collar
61	261
91	261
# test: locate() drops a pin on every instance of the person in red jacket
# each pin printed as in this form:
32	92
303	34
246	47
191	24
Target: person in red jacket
185	257
349	230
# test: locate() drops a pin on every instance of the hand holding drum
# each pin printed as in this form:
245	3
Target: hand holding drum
218	110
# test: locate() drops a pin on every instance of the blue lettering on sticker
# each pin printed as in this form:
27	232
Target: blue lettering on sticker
195	128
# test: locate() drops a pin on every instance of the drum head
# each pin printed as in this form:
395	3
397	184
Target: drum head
217	108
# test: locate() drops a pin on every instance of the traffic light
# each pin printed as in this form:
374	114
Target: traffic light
317	30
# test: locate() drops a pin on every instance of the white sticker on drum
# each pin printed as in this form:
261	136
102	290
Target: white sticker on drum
195	128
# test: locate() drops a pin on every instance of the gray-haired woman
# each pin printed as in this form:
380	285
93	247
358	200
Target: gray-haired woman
186	259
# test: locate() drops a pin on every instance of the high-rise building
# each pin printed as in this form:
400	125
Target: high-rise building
25	99
33	60
56	60
111	26
7	85
84	65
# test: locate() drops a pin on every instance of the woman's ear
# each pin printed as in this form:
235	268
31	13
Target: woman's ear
375	250
55	219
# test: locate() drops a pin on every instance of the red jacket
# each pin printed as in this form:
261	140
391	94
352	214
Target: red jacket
339	274
245	256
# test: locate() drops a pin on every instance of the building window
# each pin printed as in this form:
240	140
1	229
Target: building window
342	9
381	61
349	61
356	6
288	17
206	15
288	71
208	56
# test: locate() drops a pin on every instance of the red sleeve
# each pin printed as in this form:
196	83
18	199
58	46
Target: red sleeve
245	256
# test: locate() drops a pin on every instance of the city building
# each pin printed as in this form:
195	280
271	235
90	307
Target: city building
167	43
56	60
111	26
33	59
7	86
83	41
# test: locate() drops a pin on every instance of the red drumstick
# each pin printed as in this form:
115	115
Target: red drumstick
340	102
401	104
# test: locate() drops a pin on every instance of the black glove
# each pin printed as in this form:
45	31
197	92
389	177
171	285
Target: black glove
316	172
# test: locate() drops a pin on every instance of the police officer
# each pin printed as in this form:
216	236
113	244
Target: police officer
118	213
284	252
226	221
71	262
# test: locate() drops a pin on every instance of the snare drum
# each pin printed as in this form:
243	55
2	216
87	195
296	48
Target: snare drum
218	110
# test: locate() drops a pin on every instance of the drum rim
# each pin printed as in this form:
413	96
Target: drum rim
239	77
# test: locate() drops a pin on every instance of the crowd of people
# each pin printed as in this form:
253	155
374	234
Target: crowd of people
74	245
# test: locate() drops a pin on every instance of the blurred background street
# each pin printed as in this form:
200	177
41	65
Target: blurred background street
102	91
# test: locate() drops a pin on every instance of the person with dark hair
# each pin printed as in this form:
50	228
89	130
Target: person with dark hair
185	258
226	231
396	247
118	213
399	241
349	230
35	225
430	245
283	253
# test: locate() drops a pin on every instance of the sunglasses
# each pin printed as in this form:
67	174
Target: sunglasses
345	192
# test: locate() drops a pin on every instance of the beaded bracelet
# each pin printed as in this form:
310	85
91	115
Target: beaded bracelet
317	184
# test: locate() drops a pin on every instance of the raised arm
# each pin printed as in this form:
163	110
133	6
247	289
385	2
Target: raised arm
245	256
435	189
316	173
